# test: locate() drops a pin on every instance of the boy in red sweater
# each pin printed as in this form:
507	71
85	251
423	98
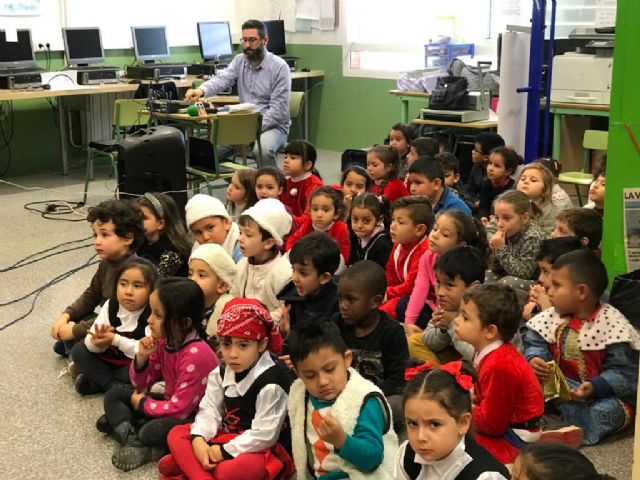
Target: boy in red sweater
508	402
411	221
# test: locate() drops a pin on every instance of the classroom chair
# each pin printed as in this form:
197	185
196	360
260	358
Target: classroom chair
240	130
592	140
296	104
126	114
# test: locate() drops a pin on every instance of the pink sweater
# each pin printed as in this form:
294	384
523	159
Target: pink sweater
424	289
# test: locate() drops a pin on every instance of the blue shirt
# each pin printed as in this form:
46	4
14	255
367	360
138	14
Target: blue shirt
267	85
450	201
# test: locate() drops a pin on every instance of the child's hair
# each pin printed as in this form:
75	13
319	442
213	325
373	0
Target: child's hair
464	262
389	157
511	158
543	461
444	143
552	164
312	334
378	206
553	248
358	170
183	303
585	223
248	221
600	168
419	209
584	268
164	208
497	305
306	150
488	141
318	249
431	168
426	146
369	275
469	230
334	194
547	180
148	270
272	172
450	162
407	131
247	178
126	218
520	203
441	387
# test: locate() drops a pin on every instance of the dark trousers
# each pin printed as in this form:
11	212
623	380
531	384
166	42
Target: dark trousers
423	319
102	373
151	431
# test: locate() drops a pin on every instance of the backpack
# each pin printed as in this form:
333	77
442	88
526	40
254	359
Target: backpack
450	94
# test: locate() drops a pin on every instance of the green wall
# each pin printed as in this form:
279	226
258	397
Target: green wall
346	112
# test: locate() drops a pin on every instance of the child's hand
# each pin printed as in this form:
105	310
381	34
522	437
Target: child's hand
410	329
285	323
543	301
332	432
66	331
287	361
55	328
527	311
485	221
103	336
347	202
135	399
146	346
442	318
540	368
498	240
584	391
215	454
201	451
534	292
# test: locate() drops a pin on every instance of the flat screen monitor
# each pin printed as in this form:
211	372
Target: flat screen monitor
150	43
16	54
275	32
82	46
215	40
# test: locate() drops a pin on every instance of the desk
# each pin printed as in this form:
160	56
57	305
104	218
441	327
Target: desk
559	109
404	98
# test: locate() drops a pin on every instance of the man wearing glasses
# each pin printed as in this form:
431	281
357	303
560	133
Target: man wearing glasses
263	79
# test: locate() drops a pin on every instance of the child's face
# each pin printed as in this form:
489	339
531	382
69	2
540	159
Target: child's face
363	222
354	184
444	235
421	185
451	178
107	244
431	431
596	192
496	170
153	226
324	372
398	141
376	168
562	229
236	192
469	328
210	284
412	156
476	154
250	241
294	166
267	187
449	291
156	319
564	294
356	304
403	230
307	280
211	230
322	211
508	220
531	184
544	278
132	290
240	354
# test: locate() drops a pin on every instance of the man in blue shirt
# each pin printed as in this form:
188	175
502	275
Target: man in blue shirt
263	79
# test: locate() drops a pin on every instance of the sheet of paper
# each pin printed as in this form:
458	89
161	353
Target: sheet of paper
605	17
632	228
308	9
303	25
606	3
327	16
11	34
273	9
289	15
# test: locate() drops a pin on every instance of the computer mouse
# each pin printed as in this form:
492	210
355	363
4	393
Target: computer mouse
46	86
306	69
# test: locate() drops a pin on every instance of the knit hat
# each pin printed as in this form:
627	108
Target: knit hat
201	206
218	259
272	216
248	318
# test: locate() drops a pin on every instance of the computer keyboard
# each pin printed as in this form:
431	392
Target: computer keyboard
98	67
30	69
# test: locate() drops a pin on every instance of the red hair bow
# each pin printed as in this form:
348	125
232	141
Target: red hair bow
455	369
409	373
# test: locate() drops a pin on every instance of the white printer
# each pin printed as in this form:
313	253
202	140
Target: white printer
581	78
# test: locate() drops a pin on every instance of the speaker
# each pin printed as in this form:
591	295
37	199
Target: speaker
153	160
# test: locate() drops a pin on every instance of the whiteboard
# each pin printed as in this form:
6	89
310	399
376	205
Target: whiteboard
45	27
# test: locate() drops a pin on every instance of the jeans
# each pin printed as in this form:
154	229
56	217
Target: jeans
270	140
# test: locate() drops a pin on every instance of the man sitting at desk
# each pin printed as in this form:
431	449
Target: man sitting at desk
263	79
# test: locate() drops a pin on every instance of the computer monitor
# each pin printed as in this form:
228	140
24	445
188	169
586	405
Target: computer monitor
150	43
82	46
275	32
16	54
215	40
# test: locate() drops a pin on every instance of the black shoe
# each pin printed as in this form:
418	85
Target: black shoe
124	433
130	457
60	349
85	386
103	425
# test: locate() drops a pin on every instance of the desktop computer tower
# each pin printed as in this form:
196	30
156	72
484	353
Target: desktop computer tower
153	160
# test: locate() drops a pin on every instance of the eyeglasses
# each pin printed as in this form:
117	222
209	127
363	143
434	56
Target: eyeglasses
250	40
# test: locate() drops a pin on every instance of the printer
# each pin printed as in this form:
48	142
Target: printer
581	78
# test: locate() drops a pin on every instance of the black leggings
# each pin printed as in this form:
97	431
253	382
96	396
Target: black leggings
152	431
101	372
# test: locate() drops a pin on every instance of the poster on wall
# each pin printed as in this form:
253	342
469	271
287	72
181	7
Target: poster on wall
632	228
22	8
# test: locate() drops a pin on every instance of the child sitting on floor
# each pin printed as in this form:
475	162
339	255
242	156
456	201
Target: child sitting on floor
581	223
503	162
241	192
354	180
597	188
383	165
400	137
302	177
484	143
369	222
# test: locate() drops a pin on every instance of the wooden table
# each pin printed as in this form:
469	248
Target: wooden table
558	109
404	98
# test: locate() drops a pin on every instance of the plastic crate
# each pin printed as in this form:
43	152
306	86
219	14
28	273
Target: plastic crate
441	54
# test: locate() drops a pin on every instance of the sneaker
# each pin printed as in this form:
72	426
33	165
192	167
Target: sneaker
103	425
73	371
85	386
168	467
60	349
555	430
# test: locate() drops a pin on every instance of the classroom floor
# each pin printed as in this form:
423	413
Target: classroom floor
48	430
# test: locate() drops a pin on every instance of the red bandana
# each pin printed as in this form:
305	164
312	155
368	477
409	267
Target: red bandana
247	318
